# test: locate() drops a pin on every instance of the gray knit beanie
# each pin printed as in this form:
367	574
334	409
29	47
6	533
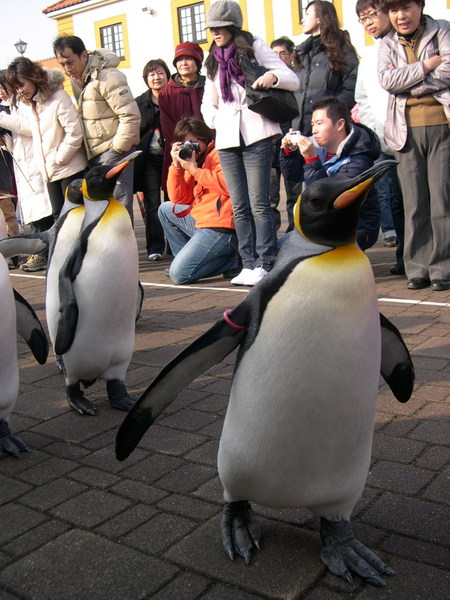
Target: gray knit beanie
224	13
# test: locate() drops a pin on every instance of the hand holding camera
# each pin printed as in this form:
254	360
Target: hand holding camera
290	140
294	140
183	155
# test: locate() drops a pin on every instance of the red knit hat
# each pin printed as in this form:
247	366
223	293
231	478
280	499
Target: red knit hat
188	49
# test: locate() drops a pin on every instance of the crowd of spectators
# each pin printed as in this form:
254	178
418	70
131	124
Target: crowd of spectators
208	176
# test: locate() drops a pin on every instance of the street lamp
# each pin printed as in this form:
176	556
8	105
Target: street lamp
21	46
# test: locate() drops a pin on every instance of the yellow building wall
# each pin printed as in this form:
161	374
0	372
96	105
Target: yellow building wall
65	27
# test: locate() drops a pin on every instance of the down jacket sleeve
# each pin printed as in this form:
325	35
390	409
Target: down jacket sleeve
114	88
17	124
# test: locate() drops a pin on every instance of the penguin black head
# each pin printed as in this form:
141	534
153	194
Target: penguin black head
327	211
99	182
73	192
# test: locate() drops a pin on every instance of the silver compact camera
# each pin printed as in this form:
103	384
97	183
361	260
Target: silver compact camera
187	149
294	136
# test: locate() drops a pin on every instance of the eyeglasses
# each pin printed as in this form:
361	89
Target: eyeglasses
370	17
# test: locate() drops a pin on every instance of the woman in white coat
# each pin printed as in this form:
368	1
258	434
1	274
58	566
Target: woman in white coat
55	127
243	137
33	201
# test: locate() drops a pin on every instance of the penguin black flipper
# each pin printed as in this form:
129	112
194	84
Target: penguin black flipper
397	368
207	350
238	327
18	245
67	322
30	328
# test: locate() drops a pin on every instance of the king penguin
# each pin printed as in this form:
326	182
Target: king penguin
92	297
16	316
299	423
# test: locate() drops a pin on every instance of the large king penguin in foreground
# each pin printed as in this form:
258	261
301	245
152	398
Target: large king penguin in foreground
16	315
298	429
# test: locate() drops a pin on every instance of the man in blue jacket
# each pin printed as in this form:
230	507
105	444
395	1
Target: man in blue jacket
337	147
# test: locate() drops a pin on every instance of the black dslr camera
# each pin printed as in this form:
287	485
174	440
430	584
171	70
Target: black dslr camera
187	149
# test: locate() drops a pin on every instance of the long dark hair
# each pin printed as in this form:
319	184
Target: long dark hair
333	38
27	69
243	40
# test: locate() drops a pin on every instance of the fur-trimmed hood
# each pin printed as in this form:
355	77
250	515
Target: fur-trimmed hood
55	78
98	60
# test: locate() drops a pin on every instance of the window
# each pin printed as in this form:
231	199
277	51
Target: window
112	34
112	39
191	22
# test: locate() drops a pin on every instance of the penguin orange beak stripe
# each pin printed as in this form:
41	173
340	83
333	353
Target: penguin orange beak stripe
121	166
117	169
349	196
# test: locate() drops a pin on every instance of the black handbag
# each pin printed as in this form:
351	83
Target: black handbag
274	104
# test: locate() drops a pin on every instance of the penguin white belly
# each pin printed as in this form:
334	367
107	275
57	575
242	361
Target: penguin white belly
9	370
106	290
298	428
66	237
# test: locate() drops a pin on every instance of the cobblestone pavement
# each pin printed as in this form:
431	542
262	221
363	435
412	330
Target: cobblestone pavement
77	524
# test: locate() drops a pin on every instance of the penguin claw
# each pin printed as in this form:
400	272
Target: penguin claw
240	531
82	405
342	553
122	403
10	444
118	395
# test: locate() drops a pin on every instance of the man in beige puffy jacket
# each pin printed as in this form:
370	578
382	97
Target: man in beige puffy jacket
108	111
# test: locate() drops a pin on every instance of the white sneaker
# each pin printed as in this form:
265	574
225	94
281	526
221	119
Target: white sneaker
155	256
258	273
243	278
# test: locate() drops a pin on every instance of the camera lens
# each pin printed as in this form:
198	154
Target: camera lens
186	151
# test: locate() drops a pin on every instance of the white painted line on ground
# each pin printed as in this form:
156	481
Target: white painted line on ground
196	287
420	302
244	290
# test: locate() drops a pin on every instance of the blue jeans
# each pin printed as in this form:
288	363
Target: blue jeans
391	208
247	173
198	252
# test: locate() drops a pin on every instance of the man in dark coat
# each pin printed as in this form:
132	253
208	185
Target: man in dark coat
337	147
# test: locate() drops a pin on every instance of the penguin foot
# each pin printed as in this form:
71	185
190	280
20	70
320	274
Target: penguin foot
342	553
10	444
118	395
240	530
78	401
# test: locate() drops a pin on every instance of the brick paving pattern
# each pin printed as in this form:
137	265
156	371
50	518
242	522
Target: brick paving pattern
77	524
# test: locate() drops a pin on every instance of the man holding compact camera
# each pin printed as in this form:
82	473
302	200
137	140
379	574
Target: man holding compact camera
198	220
337	147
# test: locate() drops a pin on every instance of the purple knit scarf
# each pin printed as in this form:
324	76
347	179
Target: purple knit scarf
229	68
